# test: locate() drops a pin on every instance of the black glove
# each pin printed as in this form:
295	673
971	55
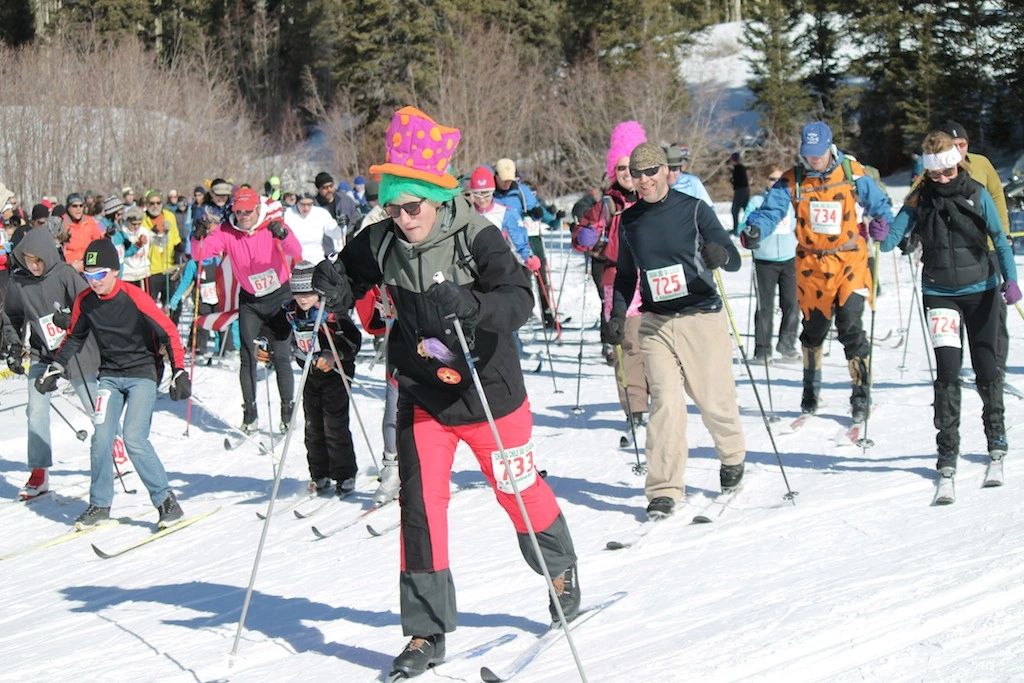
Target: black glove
536	212
454	301
181	388
910	242
714	255
560	214
330	280
62	317
200	228
616	329
47	382
751	238
278	230
15	358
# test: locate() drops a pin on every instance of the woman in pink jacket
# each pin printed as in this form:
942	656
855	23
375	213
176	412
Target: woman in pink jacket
262	251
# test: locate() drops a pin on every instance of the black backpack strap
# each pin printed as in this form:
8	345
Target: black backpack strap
386	242
464	254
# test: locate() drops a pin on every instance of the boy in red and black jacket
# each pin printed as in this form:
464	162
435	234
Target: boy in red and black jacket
129	329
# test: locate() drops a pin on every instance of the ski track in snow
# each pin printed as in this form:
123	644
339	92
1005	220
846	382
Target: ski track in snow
861	579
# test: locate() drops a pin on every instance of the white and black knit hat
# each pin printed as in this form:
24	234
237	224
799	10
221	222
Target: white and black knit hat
302	278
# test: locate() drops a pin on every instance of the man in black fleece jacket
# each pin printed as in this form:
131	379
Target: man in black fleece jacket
673	242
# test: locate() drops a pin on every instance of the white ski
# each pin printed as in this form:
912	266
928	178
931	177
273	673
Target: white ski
544	641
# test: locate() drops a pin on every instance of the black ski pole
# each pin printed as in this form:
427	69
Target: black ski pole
790	493
921	317
92	407
579	356
547	337
864	442
906	342
80	434
639	468
767	374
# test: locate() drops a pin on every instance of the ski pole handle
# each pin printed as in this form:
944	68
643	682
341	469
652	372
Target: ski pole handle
438	279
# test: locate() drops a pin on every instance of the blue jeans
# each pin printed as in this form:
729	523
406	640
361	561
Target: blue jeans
135	396
40	453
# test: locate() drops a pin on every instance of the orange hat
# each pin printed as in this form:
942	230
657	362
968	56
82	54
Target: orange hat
419	148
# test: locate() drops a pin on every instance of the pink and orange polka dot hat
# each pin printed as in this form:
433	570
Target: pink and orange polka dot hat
419	148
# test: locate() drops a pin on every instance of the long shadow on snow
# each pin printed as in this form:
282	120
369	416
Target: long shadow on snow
272	615
830	463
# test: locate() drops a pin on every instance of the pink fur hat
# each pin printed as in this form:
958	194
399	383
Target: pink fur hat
625	136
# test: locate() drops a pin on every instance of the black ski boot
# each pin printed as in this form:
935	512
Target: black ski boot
170	511
992	416
730	477
420	654
249	418
567	588
660	508
286	415
812	380
947	422
860	399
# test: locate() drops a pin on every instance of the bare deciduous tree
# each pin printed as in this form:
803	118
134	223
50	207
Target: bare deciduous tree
105	115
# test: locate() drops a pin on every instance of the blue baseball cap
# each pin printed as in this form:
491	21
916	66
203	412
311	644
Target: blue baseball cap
815	139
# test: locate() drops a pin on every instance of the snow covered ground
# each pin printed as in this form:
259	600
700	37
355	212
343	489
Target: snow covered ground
861	579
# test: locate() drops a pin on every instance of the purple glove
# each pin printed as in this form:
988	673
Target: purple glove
878	229
586	237
533	264
1011	292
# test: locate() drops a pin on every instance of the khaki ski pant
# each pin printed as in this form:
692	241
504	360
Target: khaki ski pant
687	354
634	398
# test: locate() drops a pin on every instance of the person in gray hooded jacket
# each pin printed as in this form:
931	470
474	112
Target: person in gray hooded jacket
39	298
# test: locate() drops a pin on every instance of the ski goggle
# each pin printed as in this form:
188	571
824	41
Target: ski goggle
95	275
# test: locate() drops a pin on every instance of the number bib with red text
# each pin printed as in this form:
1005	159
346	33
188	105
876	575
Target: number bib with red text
944	326
667	283
521	466
264	283
304	340
208	293
53	334
826	217
99	415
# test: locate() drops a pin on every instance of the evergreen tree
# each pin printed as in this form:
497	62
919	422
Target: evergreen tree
618	32
778	92
818	45
17	22
105	18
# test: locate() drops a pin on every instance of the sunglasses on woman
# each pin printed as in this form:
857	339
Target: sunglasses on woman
943	173
649	172
410	208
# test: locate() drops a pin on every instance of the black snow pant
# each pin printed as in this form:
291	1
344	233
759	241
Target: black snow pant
253	314
329	448
979	314
772	276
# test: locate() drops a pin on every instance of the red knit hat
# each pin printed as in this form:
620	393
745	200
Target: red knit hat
482	180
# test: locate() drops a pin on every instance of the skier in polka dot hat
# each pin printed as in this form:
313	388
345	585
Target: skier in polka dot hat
431	227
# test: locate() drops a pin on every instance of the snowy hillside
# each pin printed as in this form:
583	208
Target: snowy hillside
861	579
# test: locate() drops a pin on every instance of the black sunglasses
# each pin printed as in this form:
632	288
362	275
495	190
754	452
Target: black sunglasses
649	172
411	208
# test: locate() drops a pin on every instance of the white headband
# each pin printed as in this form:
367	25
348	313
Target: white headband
943	160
